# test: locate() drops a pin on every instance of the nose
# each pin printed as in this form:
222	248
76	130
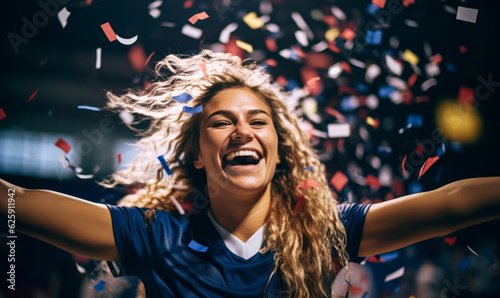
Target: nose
243	132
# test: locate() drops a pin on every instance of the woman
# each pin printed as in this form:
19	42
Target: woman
260	223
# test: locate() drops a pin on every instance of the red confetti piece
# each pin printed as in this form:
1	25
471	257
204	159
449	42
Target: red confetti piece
339	180
335	114
110	34
203	68
450	240
329	20
2	114
33	95
333	47
282	81
406	3
373	181
379	3
463	49
271	44
423	98
436	59
466	96
149	58
375	259
188	4
307	184
412	79
271	62
312	84
348	33
63	145
403	165
199	16
137	57
346	66
300	202
428	163
119	156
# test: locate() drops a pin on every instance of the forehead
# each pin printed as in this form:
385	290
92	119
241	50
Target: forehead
235	99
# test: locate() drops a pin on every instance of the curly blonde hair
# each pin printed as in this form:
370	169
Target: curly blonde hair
304	244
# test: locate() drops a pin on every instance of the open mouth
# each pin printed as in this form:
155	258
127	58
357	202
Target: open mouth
242	158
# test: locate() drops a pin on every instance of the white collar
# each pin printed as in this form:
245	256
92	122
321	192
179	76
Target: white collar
244	250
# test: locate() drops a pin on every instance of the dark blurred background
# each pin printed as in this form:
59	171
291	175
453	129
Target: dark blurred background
452	88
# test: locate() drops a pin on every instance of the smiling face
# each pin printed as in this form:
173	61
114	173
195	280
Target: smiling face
238	142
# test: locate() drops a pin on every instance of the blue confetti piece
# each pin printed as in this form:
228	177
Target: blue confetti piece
385	91
390	256
310	168
180	163
464	264
197	247
348	283
441	150
364	295
362	88
374	37
415	120
192	110
88	108
348	104
451	67
291	85
164	164
415	187
100	286
372	9
184	97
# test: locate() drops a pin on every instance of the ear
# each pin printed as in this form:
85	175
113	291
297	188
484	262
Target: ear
278	159
198	163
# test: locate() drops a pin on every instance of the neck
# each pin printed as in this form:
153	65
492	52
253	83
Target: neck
243	216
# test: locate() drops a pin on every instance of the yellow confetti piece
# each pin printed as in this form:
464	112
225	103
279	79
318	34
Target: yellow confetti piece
245	46
252	20
331	34
371	121
410	57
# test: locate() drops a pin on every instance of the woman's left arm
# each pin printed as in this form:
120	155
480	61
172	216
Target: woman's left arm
400	222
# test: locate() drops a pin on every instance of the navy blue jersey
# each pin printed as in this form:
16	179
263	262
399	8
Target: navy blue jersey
188	258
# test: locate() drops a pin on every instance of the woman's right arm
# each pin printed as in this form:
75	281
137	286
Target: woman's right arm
75	225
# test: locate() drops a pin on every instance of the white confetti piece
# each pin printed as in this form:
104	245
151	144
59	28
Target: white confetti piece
320	46
191	31
335	70
393	65
427	84
63	161
226	32
432	69
467	14
126	117
272	28
82	176
177	205
397	83
127	41
357	63
302	24
63	15
338	13
301	38
472	250
339	130
98	58
372	72
396	274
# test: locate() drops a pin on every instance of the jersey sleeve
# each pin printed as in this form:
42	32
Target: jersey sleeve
132	240
353	217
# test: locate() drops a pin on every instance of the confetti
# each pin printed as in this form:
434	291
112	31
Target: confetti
164	164
339	130
110	34
302	24
339	180
149	58
450	240
191	31
348	283
410	57
379	3
226	32
197	247
252	20
100	286
472	251
63	145
467	14
192	110
403	166
310	168
245	46
98	58
33	95
126	117
199	16
83	176
178	206
63	160
2	114
63	15
396	274
83	107
374	37
394	66
119	156
127	41
415	120
300	202
331	34
184	97
203	68
307	184
428	163
373	181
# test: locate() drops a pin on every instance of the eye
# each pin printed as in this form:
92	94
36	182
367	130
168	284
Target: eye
220	124
259	122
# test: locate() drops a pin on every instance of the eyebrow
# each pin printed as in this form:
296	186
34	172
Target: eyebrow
228	113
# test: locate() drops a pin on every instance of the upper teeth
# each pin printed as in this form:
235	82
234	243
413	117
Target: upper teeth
230	156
